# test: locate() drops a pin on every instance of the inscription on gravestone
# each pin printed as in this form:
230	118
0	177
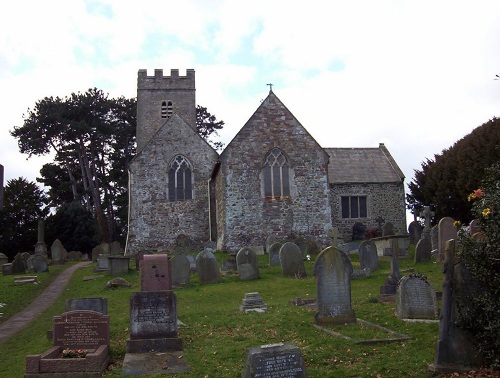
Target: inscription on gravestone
415	298
81	330
153	314
274	360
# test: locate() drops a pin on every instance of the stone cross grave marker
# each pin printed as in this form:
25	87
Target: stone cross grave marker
155	273
333	270
274	360
248	267
415	298
368	256
291	261
335	235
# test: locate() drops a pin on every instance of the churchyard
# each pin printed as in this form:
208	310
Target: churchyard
216	334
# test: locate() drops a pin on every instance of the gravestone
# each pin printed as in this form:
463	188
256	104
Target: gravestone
155	273
336	237
118	265
312	247
415	298
92	304
29	264
446	231
40	246
415	232
248	266
211	245
3	259
75	256
358	231
40	263
180	269
291	261
380	224
274	360
333	270
474	226
456	349
388	229
7	269
270	240
115	249
274	254
207	267
368	256
427	214
19	265
423	250
57	252
253	302
181	246
74	330
434	240
102	263
97	251
391	283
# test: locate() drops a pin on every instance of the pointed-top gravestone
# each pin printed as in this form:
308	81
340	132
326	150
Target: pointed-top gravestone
446	231
248	267
274	253
58	252
291	261
368	257
207	267
333	270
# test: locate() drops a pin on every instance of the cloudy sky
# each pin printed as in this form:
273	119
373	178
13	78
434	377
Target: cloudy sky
416	75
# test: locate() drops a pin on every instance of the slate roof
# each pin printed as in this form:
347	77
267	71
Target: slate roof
362	165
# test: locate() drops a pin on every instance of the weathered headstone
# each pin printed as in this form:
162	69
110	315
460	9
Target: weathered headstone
274	360
274	253
291	261
115	249
19	265
446	231
388	229
368	257
181	246
155	273
358	231
118	265
97	251
180	269
333	270
40	263
75	256
415	298
102	263
312	247
248	266
415	232
456	349
207	267
7	269
91	304
391	283
81	329
423	250
427	214
57	252
270	240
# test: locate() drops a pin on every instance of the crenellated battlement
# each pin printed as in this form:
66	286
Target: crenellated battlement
159	81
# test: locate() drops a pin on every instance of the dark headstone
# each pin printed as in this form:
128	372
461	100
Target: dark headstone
7	269
207	267
446	231
182	245
92	304
118	265
155	273
415	232
75	256
415	298
40	263
274	360
333	270
423	250
368	257
271	239
97	251
274	253
358	231
102	263
248	267
19	265
115	249
81	330
388	229
291	261
180	269
3	259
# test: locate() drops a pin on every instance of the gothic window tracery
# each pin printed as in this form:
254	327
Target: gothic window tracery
276	175
180	179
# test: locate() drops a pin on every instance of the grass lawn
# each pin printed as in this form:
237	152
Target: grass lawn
218	334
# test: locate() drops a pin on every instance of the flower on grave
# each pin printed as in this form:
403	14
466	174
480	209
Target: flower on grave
486	212
457	224
478	193
74	353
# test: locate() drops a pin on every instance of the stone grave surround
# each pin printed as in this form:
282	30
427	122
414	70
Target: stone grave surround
86	330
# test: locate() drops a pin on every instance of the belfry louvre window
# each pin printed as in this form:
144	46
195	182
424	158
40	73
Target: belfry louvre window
276	174
354	207
180	180
166	109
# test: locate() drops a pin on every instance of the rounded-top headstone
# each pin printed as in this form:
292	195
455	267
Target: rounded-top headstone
368	256
291	260
415	298
248	267
207	267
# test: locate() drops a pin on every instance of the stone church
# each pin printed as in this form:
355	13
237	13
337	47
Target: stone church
272	178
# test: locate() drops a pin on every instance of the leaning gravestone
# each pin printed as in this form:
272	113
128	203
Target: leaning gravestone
207	267
248	267
415	298
368	256
40	263
3	259
274	360
291	261
446	231
415	232
57	252
181	270
333	270
274	253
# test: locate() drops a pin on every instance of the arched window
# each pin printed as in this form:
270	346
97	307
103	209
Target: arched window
166	109
180	179
276	174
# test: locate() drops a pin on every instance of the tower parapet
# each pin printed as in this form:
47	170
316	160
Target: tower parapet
156	93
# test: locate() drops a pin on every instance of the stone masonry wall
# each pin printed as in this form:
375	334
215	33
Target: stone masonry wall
249	216
383	199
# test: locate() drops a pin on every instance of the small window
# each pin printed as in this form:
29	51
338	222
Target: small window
180	180
353	207
276	174
166	109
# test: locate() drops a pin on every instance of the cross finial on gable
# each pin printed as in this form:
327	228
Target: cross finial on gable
270	87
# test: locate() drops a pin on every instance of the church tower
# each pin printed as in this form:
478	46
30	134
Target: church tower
158	97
